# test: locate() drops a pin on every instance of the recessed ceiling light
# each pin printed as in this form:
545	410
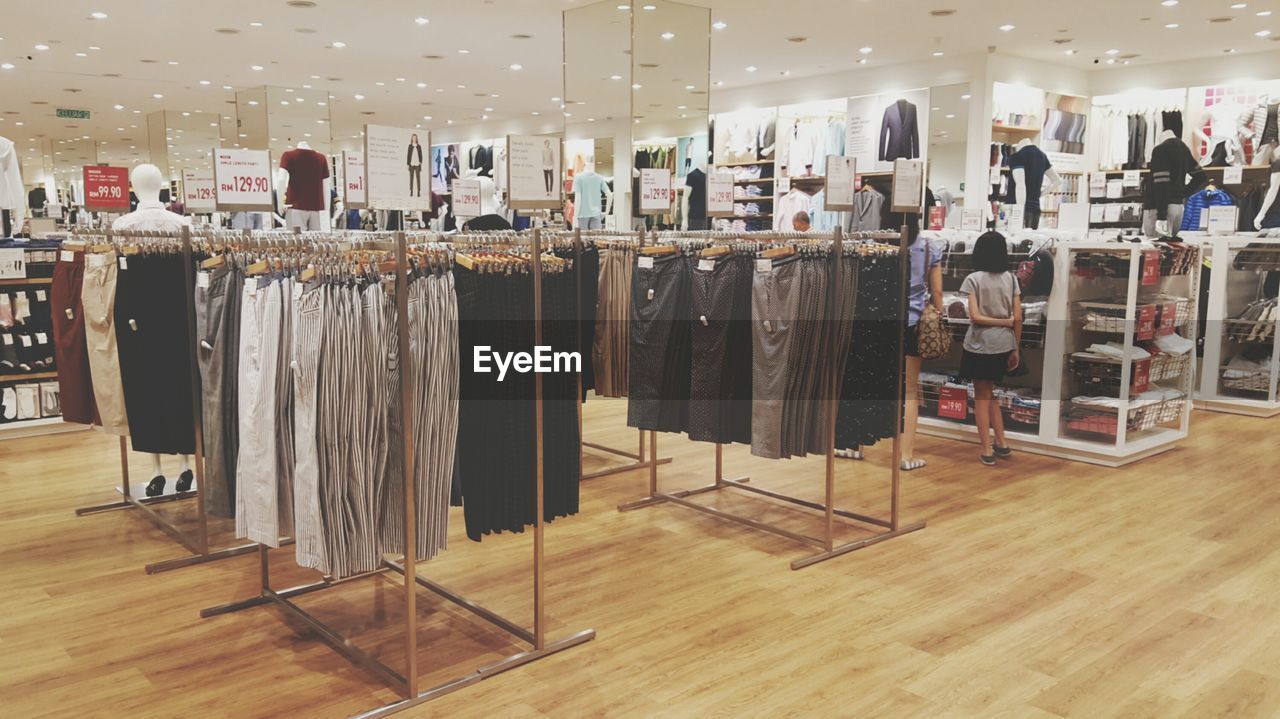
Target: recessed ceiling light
719	24
494	94
1169	3
226	87
380	83
965	97
421	20
94	47
668	35
464	52
253	102
636	86
516	66
1113	51
688	87
359	97
535	112
615	77
950	116
1263	33
6	66
937	53
118	107
255	67
751	68
82	54
935	108
648	7
865	50
461	87
422	85
555	99
1069	52
204	82
862	61
42	46
1239	6
1111	61
624	7
1006	27
158	96
1171	26
1264	13
98	15
173	62
255	24
339	44
1230	51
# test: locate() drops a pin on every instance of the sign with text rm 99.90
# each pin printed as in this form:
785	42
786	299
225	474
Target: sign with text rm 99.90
242	180
106	189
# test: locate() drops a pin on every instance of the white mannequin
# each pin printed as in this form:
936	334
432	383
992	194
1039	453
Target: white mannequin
1052	179
1268	201
590	172
151	215
1229	123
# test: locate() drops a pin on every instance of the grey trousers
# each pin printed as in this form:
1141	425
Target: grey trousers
775	305
257	494
308	338
1149	221
218	331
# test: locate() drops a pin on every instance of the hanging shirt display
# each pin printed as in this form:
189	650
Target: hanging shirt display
899	132
588	195
696	181
307	171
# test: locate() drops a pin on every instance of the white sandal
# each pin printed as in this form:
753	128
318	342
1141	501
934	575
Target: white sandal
911	464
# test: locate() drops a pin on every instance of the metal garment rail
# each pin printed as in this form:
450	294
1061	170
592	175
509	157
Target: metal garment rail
407	683
825	544
638	459
197	545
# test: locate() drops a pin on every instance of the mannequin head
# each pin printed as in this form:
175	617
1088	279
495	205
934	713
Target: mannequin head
147	182
1022	143
304	145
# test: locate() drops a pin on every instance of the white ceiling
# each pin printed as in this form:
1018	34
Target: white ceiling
384	44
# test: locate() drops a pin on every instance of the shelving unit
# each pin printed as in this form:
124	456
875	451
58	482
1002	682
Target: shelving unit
1241	362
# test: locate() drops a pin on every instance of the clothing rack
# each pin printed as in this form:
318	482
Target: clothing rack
197	545
638	458
825	544
407	683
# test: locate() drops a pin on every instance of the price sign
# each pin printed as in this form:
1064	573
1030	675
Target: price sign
1141	376
838	191
1097	184
784	185
13	264
1132	178
106	189
242	180
953	403
1222	219
354	196
937	217
655	191
1097	214
719	195
908	185
1233	176
1150	267
1168	319
971	220
1015	214
466	198
197	191
1146	323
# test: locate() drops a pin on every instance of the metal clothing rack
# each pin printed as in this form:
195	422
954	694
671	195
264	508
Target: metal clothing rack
638	458
407	683
197	545
826	543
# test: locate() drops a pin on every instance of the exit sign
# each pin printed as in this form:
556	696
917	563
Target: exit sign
69	114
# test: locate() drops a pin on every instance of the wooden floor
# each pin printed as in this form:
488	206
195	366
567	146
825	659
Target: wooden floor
1041	588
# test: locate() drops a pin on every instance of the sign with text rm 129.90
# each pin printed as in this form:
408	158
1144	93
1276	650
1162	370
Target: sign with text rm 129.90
197	190
106	189
242	180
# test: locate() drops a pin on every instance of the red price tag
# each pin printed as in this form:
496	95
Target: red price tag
106	189
937	217
1150	267
1141	376
1146	322
953	403
1168	319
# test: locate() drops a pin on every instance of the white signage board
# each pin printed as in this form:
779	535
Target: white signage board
655	191
838	190
354	195
466	198
1233	175
1016	215
395	160
971	220
198	191
1223	219
242	180
908	185
534	169
719	195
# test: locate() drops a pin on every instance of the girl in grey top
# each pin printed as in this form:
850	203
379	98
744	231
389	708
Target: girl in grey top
991	344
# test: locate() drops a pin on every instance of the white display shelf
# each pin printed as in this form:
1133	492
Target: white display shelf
1064	334
38	427
1235	282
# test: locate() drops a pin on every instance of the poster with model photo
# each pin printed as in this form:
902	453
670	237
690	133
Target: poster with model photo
395	158
534	170
446	166
884	128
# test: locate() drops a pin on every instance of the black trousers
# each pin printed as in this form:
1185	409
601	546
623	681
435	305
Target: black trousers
720	375
660	352
155	356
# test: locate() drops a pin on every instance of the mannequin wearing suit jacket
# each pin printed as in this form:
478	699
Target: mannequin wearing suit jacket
899	132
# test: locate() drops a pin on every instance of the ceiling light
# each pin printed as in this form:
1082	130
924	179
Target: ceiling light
421	20
965	97
719	83
204	82
950	116
1264	13
6	66
516	66
1113	51
158	96
118	107
624	7
488	109
1171	26
98	15
255	67
226	87
1006	28
719	25
535	112
464	52
422	85
1069	52
862	61
865	50
615	77
461	87
42	46
751	68
937	53
253	102
648	7
255	24
1240	6
359	97
82	54
1263	33
555	99
339	44
668	35
94	47
636	86
1111	61
935	108
1169	3
1230	51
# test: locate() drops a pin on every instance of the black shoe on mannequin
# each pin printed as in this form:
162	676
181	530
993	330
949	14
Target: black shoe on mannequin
184	481
156	486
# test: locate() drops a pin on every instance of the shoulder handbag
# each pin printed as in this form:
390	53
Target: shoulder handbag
931	333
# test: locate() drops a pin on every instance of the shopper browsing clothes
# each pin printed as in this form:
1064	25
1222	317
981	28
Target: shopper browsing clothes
800	223
926	287
991	344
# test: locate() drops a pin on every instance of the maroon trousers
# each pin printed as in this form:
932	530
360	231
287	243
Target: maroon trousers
70	351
